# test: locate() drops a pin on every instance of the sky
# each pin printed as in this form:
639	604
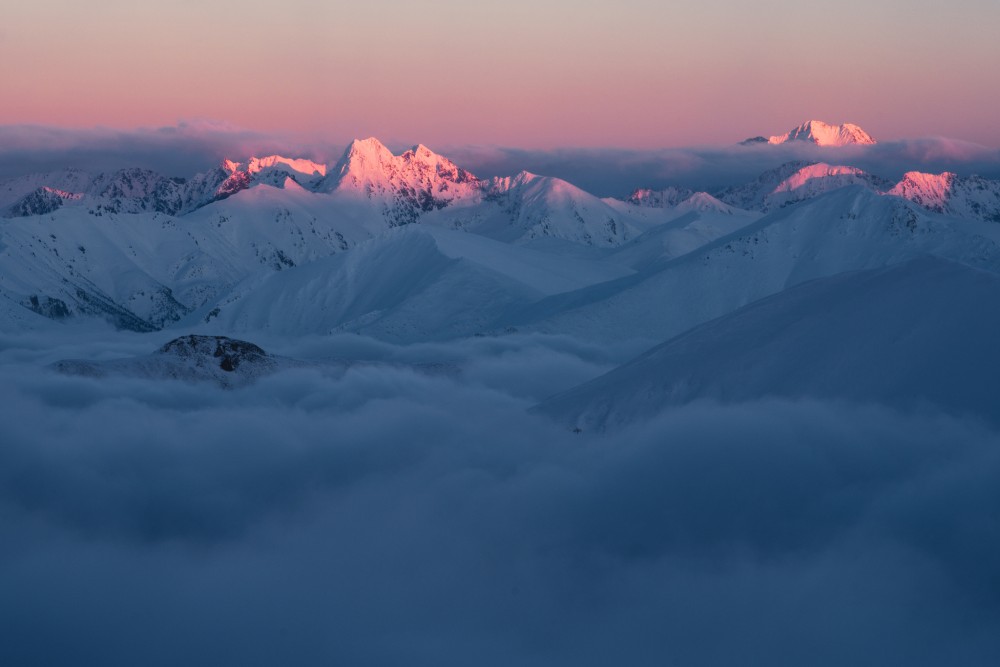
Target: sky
533	74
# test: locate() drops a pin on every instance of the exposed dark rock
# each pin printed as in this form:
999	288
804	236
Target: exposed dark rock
228	352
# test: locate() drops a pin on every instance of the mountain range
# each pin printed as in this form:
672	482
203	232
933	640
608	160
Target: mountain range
412	247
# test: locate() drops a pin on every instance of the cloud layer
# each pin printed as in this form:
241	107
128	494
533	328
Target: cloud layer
195	146
394	515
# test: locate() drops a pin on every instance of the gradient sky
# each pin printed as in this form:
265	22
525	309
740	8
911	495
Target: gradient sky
530	73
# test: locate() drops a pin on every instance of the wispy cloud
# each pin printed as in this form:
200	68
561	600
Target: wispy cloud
615	172
197	145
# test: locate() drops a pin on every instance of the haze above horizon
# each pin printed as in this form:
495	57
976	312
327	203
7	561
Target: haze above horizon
633	74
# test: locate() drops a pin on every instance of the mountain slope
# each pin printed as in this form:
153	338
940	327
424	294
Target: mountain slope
845	230
528	207
416	283
905	336
969	196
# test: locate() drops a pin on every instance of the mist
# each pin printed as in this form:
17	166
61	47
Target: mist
392	515
196	146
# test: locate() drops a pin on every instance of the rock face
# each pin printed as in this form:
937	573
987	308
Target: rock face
226	362
229	353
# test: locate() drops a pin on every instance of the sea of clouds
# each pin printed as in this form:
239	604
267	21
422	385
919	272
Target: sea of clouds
411	511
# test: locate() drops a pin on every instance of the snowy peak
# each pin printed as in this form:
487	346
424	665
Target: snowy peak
703	202
406	186
232	177
811	172
363	159
422	159
537	207
962	196
535	187
795	181
932	191
682	199
367	162
299	165
271	170
823	134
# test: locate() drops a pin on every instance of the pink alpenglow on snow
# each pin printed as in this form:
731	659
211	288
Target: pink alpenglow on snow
258	164
929	190
824	134
812	172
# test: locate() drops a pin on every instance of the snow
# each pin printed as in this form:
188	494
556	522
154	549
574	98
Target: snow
302	166
254	244
783	392
846	230
911	335
824	134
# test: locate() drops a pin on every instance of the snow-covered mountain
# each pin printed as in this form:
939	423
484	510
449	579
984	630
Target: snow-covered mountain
527	207
845	230
415	283
910	335
968	196
124	191
401	187
796	181
148	252
819	133
142	190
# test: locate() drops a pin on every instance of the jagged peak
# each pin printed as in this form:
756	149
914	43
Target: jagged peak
928	179
929	190
300	165
520	179
367	147
255	165
362	155
421	151
416	181
420	154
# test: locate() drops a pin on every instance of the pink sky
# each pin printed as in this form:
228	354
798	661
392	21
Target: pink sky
541	74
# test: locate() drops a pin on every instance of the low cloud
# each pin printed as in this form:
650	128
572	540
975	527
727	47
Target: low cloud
181	150
609	172
391	515
194	146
